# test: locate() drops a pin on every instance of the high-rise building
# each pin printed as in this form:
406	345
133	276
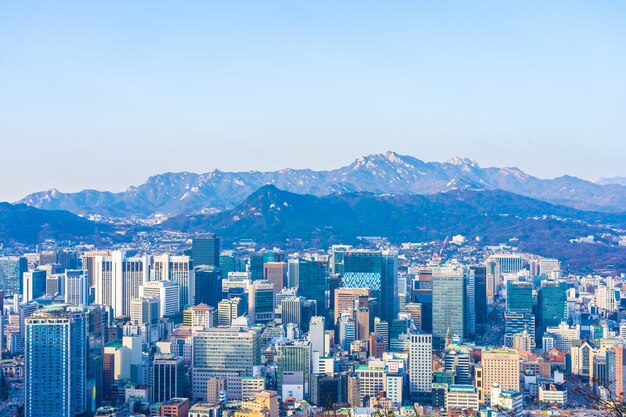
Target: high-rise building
551	306
421	364
377	271
55	284
499	367
178	269
228	310
294	358
312	279
229	262
274	272
34	284
346	326
509	263
200	315
169	378
291	310
448	303
479	273
167	293
56	362
317	335
469	322
518	315
11	270
261	302
76	287
145	311
117	280
457	362
231	353
205	250
345	299
208	285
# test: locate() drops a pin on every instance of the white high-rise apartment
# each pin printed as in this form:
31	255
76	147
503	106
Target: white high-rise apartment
316	334
421	363
117	280
179	270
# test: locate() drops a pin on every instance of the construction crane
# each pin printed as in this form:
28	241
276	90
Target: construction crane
438	256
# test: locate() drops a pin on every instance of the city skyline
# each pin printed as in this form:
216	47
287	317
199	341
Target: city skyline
149	88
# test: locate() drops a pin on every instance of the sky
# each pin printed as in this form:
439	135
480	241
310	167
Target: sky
102	95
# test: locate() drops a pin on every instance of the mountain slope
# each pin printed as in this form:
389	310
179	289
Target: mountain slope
272	216
20	223
389	173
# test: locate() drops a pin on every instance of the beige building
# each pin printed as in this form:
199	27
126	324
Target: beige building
498	367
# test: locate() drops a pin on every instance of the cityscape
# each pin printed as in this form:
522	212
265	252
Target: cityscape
312	209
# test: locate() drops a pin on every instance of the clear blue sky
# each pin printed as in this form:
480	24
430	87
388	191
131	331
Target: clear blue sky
103	94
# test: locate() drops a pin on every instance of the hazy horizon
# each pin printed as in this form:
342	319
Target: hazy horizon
102	96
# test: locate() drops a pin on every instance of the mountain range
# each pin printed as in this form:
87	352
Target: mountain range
173	194
271	216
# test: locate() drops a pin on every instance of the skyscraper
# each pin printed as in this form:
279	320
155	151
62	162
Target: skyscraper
551	306
56	362
11	270
421	364
312	282
117	280
76	287
480	293
518	315
178	269
261	302
167	293
208	285
274	272
448	303
169	379
205	250
34	284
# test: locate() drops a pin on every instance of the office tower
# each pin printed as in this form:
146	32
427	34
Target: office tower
145	311
551	306
229	262
415	312
388	300
381	327
292	273
421	364
448	303
461	400
291	310
167	293
168	376
316	334
312	282
469	306
230	353
363	322
117	280
345	299
76	287
377	345
518	315
55	284
261	302
274	272
509	263
178	269
620	367
347	331
34	284
338	252
377	271
492	270
499	367
479	272
422	293
255	266
208	285
55	362
562	336
96	322
547	266
457	362
403	293
11	270
205	250
201	315
229	310
293	362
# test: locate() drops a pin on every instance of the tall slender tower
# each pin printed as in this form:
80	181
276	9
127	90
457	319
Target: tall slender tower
56	362
421	364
